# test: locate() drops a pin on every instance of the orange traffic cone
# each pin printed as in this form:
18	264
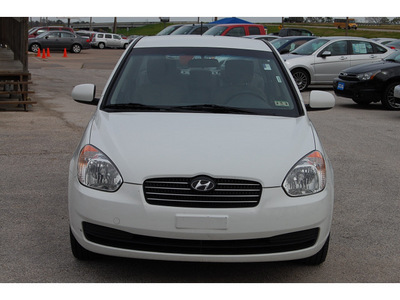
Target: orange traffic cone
44	54
48	52
65	52
38	53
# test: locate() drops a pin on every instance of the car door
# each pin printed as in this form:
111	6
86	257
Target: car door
330	60
109	40
51	40
117	41
66	40
363	52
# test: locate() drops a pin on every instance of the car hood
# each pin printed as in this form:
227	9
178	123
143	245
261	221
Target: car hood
364	68
146	145
292	56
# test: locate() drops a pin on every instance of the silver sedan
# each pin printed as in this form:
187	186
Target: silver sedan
319	61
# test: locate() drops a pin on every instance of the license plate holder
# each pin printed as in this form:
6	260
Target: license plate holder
340	86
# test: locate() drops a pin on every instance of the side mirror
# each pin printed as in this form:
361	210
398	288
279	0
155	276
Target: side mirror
397	91
284	51
85	93
326	53
321	100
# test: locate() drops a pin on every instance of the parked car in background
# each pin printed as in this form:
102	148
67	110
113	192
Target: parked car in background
86	34
241	175
36	31
371	82
197	29
168	30
320	60
266	37
108	40
236	30
294	32
384	41
290	43
394	45
58	40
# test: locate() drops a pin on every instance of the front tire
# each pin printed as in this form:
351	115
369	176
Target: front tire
388	99
77	250
101	45
301	78
35	48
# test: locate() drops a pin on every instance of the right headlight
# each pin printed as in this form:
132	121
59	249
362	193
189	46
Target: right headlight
368	75
308	176
97	171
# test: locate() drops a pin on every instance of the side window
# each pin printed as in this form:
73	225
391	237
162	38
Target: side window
41	31
198	31
53	35
361	47
66	35
236	31
337	48
379	49
254	30
100	35
116	37
108	36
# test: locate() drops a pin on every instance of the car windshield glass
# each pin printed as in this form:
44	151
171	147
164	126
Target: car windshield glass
182	30
43	34
216	30
202	80
395	56
310	47
168	30
279	42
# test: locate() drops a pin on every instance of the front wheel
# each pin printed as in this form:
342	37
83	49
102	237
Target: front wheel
102	46
76	48
320	256
388	99
77	250
35	48
301	78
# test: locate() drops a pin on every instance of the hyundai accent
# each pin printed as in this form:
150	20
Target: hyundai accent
201	149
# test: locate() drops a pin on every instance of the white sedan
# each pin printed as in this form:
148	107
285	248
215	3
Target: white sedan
201	150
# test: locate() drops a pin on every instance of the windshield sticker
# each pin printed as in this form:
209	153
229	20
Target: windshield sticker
278	78
282	103
267	67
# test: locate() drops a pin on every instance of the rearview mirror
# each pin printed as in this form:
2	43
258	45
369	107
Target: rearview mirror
85	93
321	100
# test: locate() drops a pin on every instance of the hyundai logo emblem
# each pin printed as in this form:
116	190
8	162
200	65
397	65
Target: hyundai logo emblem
202	184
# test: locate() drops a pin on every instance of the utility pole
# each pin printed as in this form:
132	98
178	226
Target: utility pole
347	26
115	25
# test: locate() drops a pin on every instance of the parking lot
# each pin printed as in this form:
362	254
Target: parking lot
36	146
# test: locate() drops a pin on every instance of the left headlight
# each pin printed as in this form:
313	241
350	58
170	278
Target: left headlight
308	176
97	171
368	75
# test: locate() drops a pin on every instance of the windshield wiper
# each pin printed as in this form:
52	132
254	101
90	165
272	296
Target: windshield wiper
213	108
132	107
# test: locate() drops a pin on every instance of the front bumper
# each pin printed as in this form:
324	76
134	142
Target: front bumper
124	224
365	90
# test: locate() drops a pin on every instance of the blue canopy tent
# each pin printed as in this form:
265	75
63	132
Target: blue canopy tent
230	21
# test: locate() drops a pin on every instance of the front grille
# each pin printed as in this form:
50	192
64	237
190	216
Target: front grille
125	240
228	193
348	77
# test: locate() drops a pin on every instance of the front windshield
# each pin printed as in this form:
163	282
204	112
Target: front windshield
188	79
310	47
216	30
395	56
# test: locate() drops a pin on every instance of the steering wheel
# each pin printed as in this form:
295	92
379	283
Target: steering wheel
249	98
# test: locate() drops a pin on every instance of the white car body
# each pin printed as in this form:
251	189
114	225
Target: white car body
323	69
146	145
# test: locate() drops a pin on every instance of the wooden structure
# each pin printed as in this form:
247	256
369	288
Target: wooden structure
14	74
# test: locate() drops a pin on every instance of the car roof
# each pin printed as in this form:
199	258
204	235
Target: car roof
202	41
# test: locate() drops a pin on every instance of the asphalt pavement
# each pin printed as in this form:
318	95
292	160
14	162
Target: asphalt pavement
36	146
